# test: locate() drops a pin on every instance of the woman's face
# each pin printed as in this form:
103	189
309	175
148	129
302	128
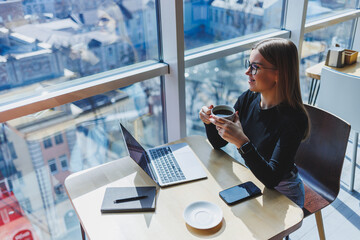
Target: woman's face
266	75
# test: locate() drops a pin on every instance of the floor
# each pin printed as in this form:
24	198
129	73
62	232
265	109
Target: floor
342	217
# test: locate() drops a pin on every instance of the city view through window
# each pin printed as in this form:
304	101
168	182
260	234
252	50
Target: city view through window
47	44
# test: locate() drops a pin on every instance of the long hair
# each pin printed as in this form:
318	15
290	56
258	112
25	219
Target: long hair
283	54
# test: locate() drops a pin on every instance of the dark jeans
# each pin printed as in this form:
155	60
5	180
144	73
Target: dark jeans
293	188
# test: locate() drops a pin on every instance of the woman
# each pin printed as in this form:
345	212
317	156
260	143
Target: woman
271	120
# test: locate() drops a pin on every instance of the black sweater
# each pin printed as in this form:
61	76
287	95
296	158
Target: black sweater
276	134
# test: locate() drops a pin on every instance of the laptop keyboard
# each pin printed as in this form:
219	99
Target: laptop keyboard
166	165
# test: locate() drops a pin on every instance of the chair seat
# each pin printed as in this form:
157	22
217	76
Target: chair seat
313	201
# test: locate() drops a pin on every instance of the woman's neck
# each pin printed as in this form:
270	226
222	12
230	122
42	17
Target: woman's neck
268	101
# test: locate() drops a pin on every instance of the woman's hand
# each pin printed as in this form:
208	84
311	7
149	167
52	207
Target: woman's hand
204	114
230	131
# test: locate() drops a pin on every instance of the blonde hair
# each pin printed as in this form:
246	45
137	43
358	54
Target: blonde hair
283	54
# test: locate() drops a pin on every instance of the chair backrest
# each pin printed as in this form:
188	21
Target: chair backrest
321	156
339	94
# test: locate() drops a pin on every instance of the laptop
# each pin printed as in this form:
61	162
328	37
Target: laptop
167	165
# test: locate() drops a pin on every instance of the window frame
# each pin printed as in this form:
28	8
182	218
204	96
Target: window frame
59	139
80	89
344	16
64	158
173	61
51	162
47	142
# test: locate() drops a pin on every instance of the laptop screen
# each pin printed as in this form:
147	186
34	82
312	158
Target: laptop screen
136	151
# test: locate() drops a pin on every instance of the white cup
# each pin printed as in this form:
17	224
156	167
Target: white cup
223	111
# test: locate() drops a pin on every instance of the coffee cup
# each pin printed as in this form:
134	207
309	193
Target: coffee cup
223	111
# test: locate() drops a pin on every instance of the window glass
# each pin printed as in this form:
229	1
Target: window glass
59	139
323	8
210	21
316	45
52	166
222	81
217	82
59	190
47	142
54	43
63	162
12	150
91	136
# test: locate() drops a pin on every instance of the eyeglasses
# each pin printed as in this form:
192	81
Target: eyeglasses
254	67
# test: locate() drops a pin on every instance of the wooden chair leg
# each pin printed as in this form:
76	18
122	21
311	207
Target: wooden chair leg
320	225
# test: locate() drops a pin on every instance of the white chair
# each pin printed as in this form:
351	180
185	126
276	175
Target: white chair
339	94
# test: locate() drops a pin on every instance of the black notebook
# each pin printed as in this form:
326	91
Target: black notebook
129	199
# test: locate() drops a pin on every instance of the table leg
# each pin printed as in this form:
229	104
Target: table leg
83	235
353	161
317	92
311	91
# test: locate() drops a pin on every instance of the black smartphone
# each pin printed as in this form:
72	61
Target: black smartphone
240	193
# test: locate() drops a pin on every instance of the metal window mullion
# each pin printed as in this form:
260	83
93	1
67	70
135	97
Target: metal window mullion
352	33
295	21
228	49
356	40
283	13
172	29
326	22
70	94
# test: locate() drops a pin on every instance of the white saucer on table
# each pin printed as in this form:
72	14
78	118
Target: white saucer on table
203	215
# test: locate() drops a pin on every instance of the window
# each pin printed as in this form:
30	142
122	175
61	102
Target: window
320	9
58	139
77	77
4	216
59	190
214	83
316	44
12	150
26	206
47	142
72	44
63	162
90	127
4	190
228	20
20	177
52	166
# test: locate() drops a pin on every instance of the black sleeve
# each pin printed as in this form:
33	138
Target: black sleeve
214	138
271	172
